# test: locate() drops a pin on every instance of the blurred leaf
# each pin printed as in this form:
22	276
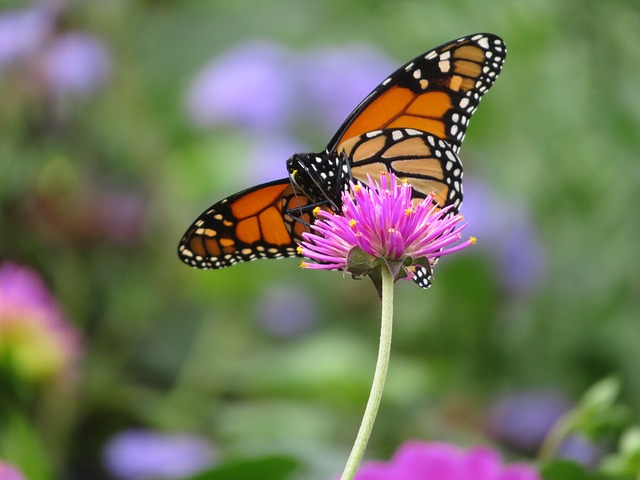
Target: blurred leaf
630	442
627	460
275	467
602	395
597	414
563	470
20	445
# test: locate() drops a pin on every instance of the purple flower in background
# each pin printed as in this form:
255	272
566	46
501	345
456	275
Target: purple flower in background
8	472
506	228
34	334
334	80
139	453
287	311
522	420
23	33
581	450
416	460
76	64
249	86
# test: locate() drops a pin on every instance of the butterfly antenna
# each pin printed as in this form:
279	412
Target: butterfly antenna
326	200
299	208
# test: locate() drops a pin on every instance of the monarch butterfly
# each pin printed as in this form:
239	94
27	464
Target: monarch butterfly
412	124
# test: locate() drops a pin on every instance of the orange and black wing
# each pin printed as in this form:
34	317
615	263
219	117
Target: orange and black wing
436	92
427	162
261	222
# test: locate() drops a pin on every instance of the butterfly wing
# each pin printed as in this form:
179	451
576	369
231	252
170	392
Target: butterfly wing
414	122
261	222
436	92
427	162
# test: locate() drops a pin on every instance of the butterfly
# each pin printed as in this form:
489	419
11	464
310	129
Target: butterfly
412	124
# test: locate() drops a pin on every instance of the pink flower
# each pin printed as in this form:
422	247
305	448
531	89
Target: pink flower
35	336
382	223
8	472
417	460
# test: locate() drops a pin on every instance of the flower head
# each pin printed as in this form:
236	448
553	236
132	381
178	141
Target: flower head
438	461
35	337
382	224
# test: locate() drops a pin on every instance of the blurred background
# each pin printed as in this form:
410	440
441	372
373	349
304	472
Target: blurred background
122	121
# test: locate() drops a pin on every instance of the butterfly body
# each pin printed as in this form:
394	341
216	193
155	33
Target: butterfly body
412	124
321	177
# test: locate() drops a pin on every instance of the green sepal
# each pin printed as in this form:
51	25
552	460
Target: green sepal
359	262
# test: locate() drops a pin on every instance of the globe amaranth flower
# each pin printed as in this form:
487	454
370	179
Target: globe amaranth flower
382	224
36	340
417	460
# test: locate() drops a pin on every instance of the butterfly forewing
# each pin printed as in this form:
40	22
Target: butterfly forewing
261	222
436	92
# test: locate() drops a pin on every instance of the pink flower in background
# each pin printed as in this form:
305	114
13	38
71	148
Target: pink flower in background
35	337
416	460
8	472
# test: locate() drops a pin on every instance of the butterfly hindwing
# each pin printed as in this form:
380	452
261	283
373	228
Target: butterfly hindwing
260	222
436	92
427	162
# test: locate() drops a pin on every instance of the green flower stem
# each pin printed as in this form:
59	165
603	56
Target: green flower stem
384	350
555	437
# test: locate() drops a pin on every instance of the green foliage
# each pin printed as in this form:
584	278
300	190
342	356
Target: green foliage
273	468
564	470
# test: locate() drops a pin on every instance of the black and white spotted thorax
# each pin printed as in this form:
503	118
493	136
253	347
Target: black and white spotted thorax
321	177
